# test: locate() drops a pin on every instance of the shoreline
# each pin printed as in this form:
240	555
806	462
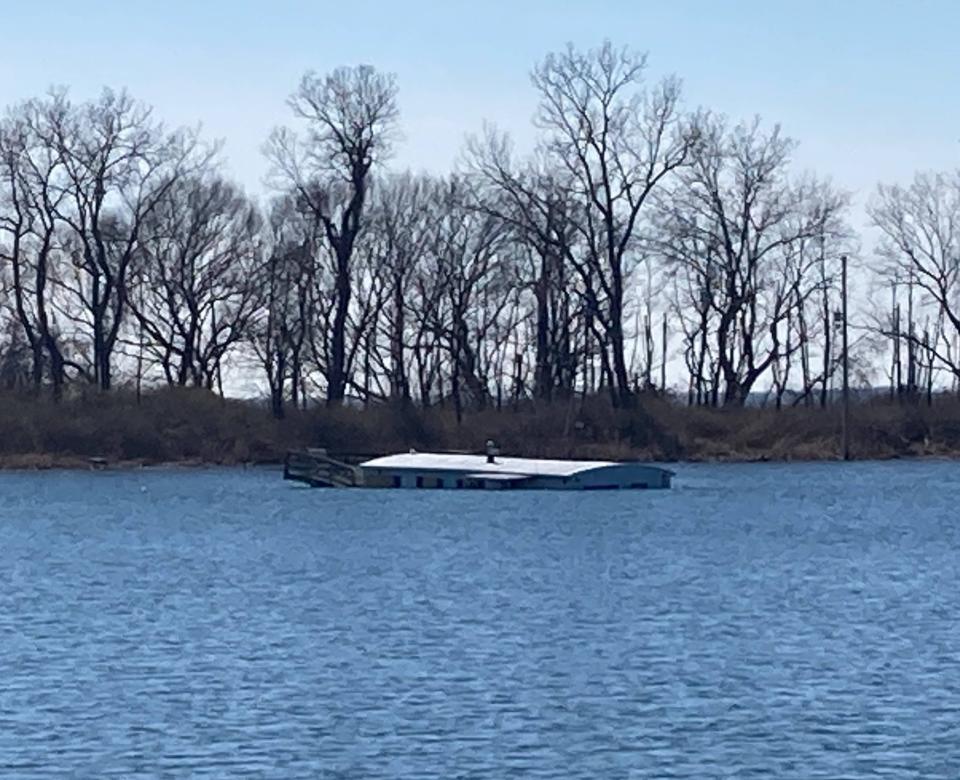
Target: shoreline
41	462
44	462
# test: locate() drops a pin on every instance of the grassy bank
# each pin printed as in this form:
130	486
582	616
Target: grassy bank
169	426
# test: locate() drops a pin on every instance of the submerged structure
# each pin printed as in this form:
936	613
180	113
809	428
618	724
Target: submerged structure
461	471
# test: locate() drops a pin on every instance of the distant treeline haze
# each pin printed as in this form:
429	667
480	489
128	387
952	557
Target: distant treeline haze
638	233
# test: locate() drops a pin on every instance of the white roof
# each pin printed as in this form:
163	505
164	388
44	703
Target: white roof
477	464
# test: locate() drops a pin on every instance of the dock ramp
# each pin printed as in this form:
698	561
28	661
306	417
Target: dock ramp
315	467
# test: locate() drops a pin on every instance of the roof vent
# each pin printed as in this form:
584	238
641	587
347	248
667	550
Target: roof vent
492	451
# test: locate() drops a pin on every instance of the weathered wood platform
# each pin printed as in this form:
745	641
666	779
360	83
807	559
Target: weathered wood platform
315	467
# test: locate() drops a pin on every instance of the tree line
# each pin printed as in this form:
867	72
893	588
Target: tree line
637	233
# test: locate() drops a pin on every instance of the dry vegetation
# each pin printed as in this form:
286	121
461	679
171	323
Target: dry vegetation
198	427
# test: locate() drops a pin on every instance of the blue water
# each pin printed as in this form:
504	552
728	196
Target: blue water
757	621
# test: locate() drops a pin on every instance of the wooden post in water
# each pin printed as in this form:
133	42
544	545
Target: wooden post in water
846	362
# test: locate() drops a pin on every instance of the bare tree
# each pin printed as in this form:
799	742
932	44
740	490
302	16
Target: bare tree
33	195
403	209
920	224
533	201
470	277
283	325
351	117
617	142
742	233
118	164
197	277
542	276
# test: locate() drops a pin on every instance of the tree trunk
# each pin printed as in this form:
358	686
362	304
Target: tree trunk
337	370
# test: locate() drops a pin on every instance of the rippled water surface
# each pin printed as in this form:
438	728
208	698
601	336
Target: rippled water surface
756	621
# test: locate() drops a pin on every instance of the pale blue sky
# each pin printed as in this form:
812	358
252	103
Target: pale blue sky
868	88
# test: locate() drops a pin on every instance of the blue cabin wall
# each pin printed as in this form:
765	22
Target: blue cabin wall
613	477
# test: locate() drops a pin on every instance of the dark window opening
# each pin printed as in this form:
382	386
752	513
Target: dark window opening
419	481
397	480
459	483
439	482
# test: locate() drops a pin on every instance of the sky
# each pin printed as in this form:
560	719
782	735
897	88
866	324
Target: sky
866	86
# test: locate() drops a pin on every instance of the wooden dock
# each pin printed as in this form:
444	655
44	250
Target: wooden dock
315	467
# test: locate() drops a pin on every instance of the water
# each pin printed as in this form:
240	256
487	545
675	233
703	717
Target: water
756	621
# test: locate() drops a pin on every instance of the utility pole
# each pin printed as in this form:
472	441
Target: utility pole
846	362
663	360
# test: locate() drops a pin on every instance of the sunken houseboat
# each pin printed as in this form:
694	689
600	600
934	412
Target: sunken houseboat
490	471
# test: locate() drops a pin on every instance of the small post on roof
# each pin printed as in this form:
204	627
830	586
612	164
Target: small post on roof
491	451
